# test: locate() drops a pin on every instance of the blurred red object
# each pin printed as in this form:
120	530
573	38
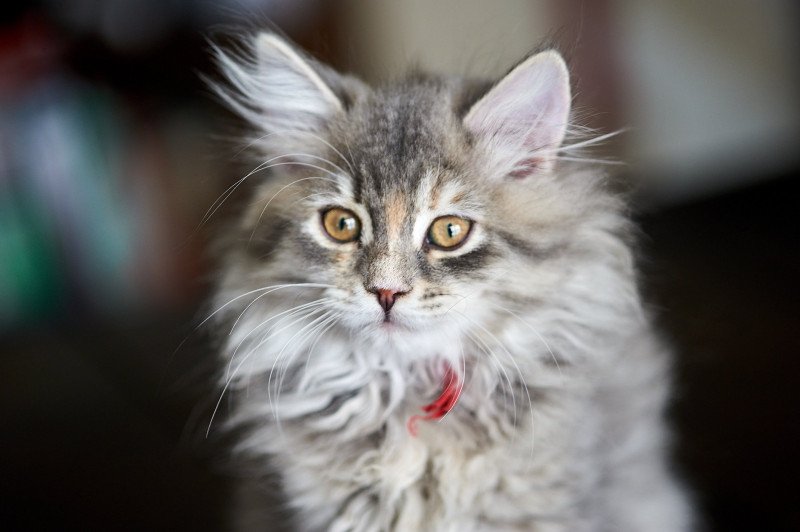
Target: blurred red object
29	50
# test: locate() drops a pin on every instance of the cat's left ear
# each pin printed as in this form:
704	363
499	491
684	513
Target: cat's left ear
280	91
522	120
292	89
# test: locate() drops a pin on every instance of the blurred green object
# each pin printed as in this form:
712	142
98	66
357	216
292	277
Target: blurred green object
30	287
66	236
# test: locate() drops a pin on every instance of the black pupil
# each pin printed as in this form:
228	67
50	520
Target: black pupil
344	223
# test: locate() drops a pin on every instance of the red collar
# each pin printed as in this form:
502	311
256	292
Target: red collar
451	391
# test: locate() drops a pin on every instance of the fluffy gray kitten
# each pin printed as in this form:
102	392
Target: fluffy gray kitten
430	314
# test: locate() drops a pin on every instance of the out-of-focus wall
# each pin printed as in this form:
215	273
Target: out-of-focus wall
381	38
714	92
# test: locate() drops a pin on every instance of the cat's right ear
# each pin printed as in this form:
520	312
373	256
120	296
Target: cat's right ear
522	120
278	90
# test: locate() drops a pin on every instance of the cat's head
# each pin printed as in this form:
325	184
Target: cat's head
421	207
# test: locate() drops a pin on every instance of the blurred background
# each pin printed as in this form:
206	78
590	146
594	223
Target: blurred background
112	149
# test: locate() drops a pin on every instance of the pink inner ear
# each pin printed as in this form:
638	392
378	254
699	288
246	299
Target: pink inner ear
525	115
526	167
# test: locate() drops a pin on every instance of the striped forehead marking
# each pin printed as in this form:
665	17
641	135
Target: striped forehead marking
395	215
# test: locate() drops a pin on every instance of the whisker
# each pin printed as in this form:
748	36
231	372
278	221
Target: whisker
339	153
533	330
309	165
230	378
488	350
264	210
316	325
304	133
318	331
266	165
588	142
288	313
222	307
610	162
270	289
272	403
310	196
350	151
231	189
334	319
245	310
516	366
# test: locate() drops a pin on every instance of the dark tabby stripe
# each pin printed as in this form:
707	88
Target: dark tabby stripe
531	250
267	237
469	263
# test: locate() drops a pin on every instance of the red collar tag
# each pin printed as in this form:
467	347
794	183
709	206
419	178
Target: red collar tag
451	391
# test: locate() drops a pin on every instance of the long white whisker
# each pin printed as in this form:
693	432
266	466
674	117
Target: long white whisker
231	189
309	165
288	313
328	144
315	327
316	331
266	165
270	289
222	307
264	210
274	330
589	142
609	162
519	372
245	310
230	378
305	133
298	200
342	171
533	330
330	324
272	403
489	351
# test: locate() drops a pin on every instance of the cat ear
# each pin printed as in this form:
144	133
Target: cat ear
277	89
293	92
522	120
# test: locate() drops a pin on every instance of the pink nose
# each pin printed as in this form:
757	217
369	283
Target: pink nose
386	297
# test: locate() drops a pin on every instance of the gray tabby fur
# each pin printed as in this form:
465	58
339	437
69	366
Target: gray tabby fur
559	426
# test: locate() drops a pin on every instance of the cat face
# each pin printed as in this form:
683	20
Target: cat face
401	203
397	226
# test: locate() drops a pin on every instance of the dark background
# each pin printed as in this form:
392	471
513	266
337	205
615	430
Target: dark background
112	150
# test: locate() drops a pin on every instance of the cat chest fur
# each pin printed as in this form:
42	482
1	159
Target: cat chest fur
487	465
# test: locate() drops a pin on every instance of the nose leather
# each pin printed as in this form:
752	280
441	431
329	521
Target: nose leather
386	297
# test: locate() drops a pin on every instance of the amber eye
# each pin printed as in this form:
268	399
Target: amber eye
448	232
341	225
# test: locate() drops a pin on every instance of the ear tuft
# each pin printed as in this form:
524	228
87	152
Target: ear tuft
522	120
294	79
276	89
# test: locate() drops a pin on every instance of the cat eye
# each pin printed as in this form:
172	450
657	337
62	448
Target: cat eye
341	225
448	232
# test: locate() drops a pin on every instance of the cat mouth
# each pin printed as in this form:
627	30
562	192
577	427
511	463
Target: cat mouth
391	323
405	321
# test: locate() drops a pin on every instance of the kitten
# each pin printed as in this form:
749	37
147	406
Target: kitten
430	317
